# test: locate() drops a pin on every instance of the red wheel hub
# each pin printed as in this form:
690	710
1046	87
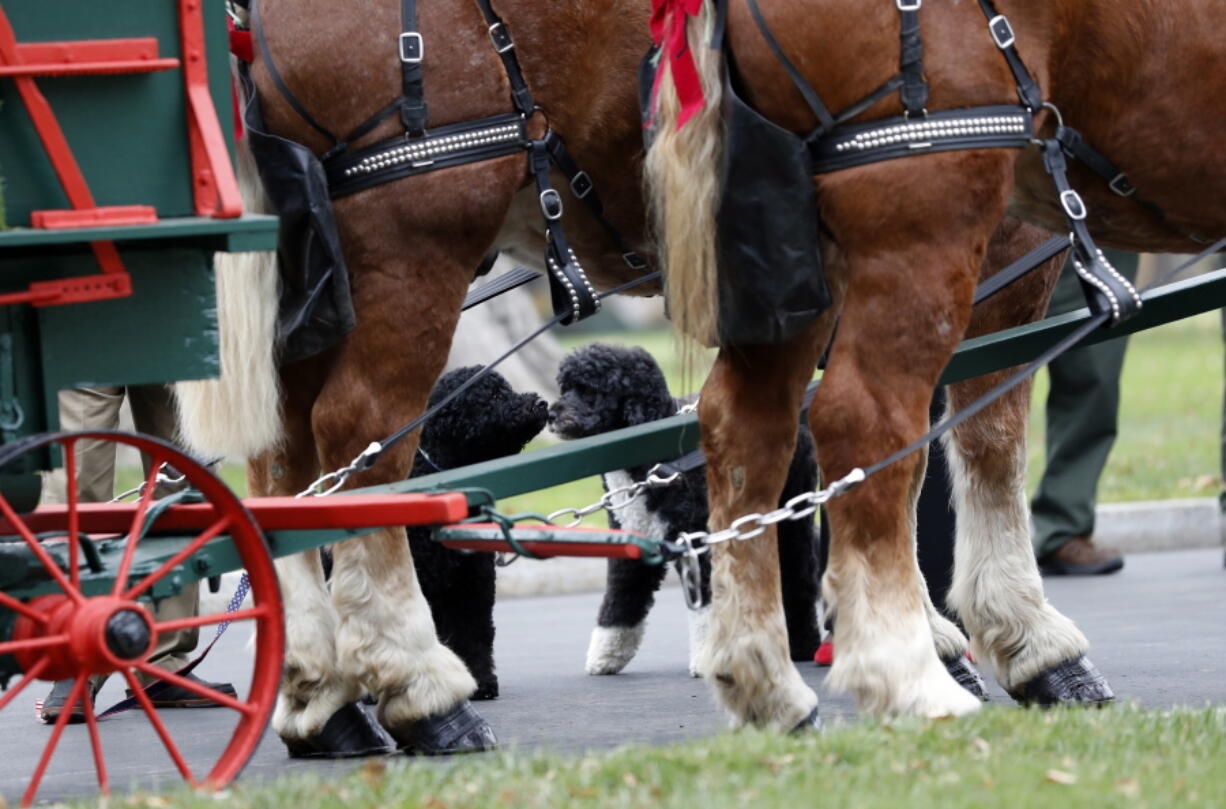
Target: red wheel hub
105	635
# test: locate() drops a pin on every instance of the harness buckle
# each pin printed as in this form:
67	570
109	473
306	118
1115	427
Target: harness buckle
908	5
1121	185
412	48
1071	201
551	204
500	37
581	184
634	261
1002	31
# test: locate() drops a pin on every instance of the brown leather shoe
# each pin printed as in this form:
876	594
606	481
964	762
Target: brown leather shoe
1081	557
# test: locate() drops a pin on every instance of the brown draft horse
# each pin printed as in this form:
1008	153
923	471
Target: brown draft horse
411	247
1143	81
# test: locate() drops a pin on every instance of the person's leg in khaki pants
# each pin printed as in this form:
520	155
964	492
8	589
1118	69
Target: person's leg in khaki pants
153	414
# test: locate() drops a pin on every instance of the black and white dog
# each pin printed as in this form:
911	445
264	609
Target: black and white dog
487	421
605	387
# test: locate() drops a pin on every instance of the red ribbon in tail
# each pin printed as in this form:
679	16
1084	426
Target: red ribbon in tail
668	18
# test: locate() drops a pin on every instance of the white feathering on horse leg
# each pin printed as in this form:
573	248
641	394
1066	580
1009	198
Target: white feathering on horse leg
997	590
886	653
611	648
312	687
239	415
745	659
386	637
700	629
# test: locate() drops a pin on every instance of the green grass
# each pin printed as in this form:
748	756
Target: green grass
1072	759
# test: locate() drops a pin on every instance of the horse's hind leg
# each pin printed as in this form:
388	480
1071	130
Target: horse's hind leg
748	412
1037	653
914	233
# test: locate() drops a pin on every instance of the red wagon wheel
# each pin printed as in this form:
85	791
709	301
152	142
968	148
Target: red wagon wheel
95	623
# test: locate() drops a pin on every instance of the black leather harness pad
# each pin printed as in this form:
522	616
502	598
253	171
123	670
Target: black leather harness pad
316	306
771	283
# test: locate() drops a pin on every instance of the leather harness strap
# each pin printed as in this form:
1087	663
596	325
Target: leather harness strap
421	150
412	48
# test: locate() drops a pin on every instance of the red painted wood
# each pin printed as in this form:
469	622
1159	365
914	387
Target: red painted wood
94	217
270	513
548	550
88	56
214	186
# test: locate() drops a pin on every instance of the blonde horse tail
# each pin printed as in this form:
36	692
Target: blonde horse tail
683	178
239	415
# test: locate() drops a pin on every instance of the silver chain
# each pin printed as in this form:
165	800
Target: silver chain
693	544
163	479
609	501
332	481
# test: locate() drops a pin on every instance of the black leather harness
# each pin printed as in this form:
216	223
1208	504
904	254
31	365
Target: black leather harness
834	144
421	149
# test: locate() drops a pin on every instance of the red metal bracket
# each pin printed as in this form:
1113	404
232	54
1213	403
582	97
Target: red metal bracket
88	56
214	187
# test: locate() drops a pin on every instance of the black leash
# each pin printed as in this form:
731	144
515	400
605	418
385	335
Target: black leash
1098	318
368	457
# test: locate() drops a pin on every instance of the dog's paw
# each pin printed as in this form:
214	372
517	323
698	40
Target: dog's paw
612	647
486	689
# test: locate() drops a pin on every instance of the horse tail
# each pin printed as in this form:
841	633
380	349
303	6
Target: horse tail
239	415
683	178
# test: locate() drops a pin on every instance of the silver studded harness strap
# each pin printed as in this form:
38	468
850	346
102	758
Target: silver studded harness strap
421	149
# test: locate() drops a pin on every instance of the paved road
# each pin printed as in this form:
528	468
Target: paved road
1157	630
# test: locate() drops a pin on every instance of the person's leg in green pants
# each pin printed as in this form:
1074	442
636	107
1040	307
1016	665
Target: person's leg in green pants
1081	415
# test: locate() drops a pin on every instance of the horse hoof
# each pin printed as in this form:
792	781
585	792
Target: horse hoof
967	676
460	730
810	723
348	733
1073	682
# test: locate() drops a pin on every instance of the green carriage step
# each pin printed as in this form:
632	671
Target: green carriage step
548	541
245	233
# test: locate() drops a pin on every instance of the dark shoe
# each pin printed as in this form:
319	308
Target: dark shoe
1081	557
167	695
54	703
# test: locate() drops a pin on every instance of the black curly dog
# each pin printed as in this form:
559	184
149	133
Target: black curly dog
605	387
487	421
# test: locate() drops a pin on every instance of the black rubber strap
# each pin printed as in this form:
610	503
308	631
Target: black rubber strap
504	283
500	38
411	50
914	90
257	31
582	187
1047	250
1002	34
825	120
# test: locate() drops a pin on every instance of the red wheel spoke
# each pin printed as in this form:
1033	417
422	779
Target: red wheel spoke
196	688
16	606
33	643
138	523
211	532
104	783
60	723
74	534
205	620
29	677
139	692
37	547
